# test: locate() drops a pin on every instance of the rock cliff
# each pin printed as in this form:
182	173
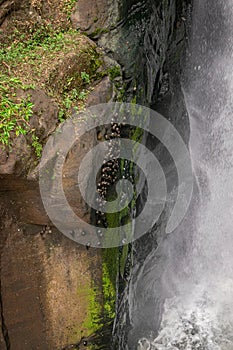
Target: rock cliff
51	289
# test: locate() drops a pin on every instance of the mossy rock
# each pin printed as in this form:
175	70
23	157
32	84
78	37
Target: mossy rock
67	74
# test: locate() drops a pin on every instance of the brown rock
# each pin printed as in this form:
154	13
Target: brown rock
66	74
6	7
45	111
46	285
102	92
92	16
46	278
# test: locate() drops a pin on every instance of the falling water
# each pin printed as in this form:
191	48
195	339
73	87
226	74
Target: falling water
200	314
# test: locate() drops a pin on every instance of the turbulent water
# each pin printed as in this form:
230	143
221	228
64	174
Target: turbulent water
199	315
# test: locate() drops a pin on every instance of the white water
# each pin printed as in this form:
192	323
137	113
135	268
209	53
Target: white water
201	315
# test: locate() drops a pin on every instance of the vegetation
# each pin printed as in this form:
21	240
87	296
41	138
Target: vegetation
98	31
36	144
68	6
14	113
109	290
30	61
93	318
114	72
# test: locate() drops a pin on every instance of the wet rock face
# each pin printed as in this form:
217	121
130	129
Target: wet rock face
141	43
144	37
45	277
150	46
96	17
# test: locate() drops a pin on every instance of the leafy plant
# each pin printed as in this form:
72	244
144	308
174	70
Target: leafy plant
70	100
61	115
69	5
37	145
26	49
85	77
14	116
114	72
67	102
82	95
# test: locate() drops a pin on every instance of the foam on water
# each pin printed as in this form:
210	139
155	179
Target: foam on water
196	322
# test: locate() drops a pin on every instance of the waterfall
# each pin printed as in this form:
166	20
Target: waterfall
199	314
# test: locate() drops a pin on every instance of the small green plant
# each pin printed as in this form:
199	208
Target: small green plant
27	49
85	77
69	101
114	72
61	116
69	5
74	93
82	95
14	115
37	145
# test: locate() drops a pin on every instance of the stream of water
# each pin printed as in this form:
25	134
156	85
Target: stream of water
199	312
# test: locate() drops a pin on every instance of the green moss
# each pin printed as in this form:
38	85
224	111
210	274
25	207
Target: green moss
100	299
98	32
109	290
114	72
121	91
93	320
111	260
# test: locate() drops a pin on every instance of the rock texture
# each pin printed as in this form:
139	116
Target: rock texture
94	16
148	42
45	278
48	283
154	45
